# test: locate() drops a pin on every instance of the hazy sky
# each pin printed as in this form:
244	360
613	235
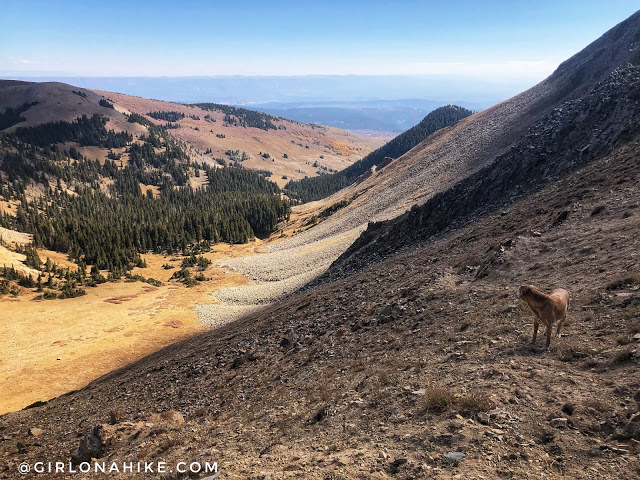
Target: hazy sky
509	39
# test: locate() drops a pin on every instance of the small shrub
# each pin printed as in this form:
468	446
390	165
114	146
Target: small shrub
437	398
139	262
621	356
33	259
203	262
474	402
70	292
190	282
189	262
49	295
623	282
181	274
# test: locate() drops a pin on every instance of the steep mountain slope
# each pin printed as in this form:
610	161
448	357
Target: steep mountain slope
217	130
569	136
443	159
459	151
382	374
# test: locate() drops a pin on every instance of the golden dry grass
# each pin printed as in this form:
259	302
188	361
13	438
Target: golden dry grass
302	143
49	347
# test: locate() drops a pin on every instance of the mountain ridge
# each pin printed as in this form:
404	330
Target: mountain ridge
56	101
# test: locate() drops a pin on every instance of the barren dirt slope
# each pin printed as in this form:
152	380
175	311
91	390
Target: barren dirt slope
59	101
384	373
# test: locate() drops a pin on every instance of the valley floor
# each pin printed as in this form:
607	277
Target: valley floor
50	347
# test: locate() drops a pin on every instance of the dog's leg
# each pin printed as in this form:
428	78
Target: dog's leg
559	324
535	329
549	329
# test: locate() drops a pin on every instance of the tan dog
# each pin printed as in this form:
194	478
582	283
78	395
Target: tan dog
546	308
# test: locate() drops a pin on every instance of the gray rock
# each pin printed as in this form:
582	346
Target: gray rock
455	455
632	429
497	415
559	422
91	446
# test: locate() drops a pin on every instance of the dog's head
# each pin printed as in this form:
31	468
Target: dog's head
523	291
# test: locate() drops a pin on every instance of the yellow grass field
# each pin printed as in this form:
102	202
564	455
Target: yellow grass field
49	347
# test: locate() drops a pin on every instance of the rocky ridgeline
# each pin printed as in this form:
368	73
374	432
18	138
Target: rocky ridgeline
568	137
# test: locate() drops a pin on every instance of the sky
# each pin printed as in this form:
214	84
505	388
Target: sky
484	39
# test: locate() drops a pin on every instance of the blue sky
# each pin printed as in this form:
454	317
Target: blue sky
485	39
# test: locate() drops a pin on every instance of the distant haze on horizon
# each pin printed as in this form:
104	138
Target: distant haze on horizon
250	90
289	51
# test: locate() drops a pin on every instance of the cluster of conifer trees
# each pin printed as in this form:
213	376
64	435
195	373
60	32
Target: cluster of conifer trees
110	232
11	116
242	117
105	103
108	227
167	116
315	188
84	130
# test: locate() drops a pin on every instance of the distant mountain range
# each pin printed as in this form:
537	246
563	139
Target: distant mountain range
368	115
